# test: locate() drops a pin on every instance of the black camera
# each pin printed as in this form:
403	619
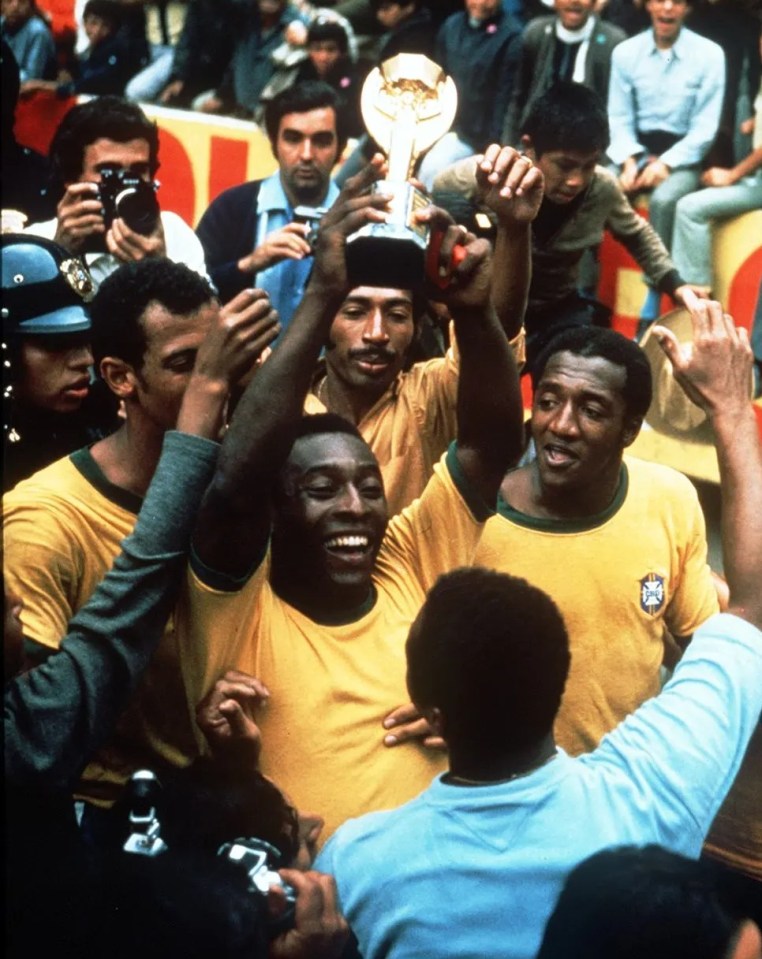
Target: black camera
259	859
130	198
311	215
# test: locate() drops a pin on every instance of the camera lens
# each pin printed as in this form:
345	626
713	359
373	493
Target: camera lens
138	207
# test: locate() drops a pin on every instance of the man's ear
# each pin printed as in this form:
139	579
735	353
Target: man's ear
527	148
631	430
120	377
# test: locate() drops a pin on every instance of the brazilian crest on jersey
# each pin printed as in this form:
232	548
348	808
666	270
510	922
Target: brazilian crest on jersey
652	593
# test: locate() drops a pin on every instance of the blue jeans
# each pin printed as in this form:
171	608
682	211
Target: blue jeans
692	237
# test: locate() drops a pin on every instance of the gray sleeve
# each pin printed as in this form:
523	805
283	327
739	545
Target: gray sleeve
57	714
639	237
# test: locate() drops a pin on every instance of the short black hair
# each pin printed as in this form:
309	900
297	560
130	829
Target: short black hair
108	10
491	652
591	341
568	116
316	423
123	297
635	902
301	98
109	117
323	28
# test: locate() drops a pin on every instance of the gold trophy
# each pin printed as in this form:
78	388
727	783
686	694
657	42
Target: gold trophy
408	103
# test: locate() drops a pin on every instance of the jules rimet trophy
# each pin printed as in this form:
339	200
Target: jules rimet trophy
408	103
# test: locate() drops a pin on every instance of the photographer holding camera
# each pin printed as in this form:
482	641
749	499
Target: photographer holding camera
255	234
105	154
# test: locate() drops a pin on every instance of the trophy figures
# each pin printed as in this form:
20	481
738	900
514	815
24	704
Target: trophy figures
408	103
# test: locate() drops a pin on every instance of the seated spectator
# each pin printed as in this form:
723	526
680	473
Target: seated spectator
566	133
665	98
572	45
727	193
250	233
326	58
199	59
318	595
634	902
487	660
408	25
262	30
25	173
478	48
735	26
110	134
104	67
30	39
629	15
50	407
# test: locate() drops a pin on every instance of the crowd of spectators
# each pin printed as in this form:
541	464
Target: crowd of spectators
291	581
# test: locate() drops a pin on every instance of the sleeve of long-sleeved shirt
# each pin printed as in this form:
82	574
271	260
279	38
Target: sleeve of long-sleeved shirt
681	750
705	118
622	112
39	56
638	236
57	714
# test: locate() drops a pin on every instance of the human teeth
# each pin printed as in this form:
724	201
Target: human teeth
348	542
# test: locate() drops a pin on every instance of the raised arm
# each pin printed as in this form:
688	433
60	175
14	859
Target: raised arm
234	522
489	408
512	187
716	374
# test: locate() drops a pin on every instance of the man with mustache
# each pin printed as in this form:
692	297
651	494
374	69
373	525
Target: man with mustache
408	416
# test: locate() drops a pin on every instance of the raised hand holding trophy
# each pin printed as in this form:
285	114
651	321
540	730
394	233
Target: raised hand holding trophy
408	103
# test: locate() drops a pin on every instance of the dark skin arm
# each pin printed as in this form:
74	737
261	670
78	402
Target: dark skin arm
511	186
489	406
262	430
716	374
490	417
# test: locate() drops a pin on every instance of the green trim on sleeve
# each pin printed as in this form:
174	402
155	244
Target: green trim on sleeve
479	509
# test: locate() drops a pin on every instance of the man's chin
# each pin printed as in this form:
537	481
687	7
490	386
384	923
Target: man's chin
309	192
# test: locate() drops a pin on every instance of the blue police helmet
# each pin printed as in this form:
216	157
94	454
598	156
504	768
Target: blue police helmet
45	288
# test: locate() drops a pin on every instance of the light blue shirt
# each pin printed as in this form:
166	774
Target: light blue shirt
678	91
473	872
284	281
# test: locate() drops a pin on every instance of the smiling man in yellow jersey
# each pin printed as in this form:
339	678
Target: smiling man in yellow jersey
298	580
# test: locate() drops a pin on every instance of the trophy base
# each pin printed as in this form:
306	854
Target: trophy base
391	254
